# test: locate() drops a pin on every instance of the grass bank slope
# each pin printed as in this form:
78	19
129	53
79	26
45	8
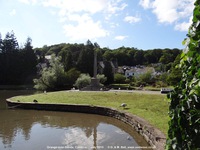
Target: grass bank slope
151	107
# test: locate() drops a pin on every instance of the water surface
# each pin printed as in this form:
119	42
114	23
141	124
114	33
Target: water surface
40	130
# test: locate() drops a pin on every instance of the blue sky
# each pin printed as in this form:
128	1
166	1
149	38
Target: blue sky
144	24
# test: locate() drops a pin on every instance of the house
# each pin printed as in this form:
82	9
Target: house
43	64
137	71
129	73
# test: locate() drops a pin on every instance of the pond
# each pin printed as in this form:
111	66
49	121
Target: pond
31	129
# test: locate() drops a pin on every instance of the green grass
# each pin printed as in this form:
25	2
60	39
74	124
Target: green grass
151	107
151	88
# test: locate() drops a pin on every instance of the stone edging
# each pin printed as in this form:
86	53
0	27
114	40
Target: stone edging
151	134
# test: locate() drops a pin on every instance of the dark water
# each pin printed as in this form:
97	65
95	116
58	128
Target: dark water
41	130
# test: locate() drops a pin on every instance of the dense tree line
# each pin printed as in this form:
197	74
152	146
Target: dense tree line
81	55
17	64
123	55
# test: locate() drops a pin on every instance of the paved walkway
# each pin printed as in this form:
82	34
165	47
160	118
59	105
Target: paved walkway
138	91
129	91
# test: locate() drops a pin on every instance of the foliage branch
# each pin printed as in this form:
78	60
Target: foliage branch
184	109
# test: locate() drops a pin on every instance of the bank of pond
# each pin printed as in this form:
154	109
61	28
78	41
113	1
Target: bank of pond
135	103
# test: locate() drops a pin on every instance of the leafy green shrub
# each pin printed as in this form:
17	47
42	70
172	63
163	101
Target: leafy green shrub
139	83
102	78
175	73
119	78
83	81
144	79
160	84
127	80
184	109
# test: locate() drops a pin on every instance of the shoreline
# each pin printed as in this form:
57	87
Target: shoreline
16	87
151	134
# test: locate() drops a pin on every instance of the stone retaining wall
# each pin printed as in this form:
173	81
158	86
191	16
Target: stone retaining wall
152	135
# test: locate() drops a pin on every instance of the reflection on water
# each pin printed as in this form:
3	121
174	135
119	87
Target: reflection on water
31	129
10	93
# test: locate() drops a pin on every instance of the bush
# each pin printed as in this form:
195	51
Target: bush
140	83
127	80
119	78
160	84
102	78
83	81
146	78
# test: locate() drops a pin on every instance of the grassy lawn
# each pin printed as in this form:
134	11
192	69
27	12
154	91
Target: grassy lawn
151	107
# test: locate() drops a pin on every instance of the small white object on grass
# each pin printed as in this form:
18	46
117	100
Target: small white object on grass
123	105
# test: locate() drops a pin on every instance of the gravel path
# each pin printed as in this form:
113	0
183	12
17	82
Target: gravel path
129	91
137	91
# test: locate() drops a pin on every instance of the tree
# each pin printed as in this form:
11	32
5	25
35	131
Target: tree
139	57
53	77
10	44
72	75
109	74
86	59
166	58
55	49
66	58
1	44
9	60
184	109
150	57
28	62
108	55
175	73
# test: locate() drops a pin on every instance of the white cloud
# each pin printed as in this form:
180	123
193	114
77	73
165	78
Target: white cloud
184	26
145	3
114	7
13	12
81	138
85	29
113	25
132	19
121	37
174	12
165	10
78	17
91	6
28	1
82	27
24	1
